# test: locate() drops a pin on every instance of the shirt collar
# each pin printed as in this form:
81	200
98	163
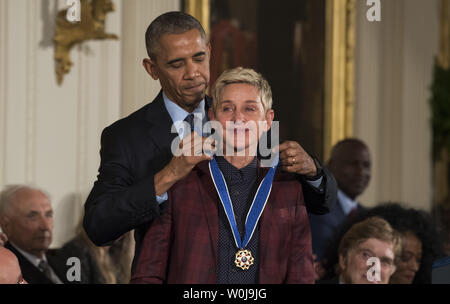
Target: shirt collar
230	172
346	202
30	257
178	114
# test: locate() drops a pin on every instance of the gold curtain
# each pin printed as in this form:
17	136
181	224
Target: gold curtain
200	10
339	72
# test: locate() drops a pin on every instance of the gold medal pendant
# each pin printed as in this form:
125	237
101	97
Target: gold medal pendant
244	259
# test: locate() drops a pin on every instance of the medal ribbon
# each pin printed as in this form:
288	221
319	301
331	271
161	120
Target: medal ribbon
256	209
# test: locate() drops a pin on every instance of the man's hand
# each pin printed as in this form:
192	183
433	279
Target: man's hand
189	153
295	160
3	239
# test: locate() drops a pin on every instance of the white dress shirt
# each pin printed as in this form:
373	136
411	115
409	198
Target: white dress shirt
347	203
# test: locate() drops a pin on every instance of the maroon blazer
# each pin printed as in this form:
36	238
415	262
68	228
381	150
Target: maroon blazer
181	245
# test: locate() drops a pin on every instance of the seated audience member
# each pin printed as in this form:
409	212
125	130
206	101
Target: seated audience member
371	238
420	242
9	268
204	237
350	164
100	265
26	217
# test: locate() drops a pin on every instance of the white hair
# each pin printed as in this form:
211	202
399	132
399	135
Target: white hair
8	194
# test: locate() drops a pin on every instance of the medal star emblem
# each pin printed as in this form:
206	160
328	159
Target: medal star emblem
244	259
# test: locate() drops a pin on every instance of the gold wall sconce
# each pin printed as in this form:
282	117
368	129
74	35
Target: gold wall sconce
68	34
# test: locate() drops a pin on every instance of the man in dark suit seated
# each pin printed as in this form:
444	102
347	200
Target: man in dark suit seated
137	167
350	164
10	270
26	217
232	221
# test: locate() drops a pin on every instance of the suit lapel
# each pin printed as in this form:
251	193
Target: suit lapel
58	264
160	124
30	273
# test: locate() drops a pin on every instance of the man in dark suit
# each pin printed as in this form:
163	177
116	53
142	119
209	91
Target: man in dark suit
350	164
26	217
137	167
210	233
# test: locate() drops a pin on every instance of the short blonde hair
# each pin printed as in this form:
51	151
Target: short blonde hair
246	76
373	227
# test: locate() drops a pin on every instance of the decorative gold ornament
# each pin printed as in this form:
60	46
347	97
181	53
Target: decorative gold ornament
68	34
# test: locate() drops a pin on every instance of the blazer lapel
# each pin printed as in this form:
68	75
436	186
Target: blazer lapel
210	204
267	228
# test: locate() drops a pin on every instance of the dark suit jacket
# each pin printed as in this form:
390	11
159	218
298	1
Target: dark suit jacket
334	280
133	150
33	275
181	246
325	227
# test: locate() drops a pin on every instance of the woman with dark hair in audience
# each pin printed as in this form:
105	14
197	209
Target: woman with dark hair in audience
420	243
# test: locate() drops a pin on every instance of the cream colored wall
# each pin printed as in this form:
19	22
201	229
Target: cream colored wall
50	135
394	60
138	87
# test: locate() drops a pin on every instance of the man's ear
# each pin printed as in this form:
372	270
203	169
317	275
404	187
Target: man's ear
208	49
4	223
151	68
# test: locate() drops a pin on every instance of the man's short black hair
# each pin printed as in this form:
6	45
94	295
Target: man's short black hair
169	23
